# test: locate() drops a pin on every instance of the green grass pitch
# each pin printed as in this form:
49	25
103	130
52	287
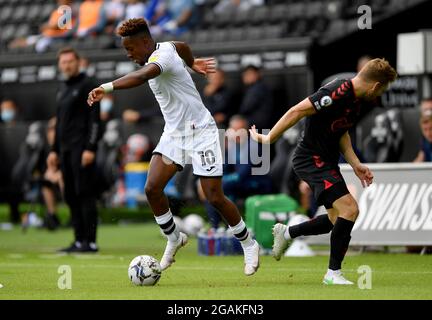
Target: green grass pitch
29	270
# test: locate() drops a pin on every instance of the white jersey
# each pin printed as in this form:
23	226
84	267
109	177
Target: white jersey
175	91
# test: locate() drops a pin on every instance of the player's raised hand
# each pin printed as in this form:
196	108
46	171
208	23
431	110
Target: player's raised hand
261	138
95	95
204	66
364	174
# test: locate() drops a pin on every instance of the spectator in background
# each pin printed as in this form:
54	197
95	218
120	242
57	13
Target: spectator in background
55	29
175	17
361	62
52	182
134	9
257	103
217	97
106	112
106	108
425	153
348	75
138	9
84	64
52	31
114	12
133	116
9	112
238	181
119	10
8	192
426	106
91	18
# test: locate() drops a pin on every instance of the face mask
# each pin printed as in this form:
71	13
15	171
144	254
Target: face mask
65	77
8	115
106	105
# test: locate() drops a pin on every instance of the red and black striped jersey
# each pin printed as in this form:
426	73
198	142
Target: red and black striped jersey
338	110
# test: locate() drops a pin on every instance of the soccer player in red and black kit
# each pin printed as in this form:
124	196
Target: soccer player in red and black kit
330	112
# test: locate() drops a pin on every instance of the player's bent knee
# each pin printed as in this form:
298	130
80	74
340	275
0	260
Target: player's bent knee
350	212
153	190
332	215
216	200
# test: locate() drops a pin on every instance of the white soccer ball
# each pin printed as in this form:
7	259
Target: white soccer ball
297	219
192	224
144	271
179	223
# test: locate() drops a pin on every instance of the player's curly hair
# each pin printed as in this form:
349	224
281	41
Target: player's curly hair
133	27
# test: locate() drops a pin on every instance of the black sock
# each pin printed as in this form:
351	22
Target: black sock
318	225
339	242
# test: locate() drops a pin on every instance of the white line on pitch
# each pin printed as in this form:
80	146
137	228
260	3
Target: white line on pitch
287	269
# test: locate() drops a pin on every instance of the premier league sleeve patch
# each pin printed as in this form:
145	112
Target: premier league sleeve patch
321	100
325	101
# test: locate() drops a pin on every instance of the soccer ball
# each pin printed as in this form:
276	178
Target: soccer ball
297	219
192	224
179	223
144	271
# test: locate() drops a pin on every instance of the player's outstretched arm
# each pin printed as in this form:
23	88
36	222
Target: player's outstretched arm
289	119
200	65
362	172
131	80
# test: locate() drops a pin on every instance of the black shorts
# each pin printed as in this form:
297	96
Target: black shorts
324	178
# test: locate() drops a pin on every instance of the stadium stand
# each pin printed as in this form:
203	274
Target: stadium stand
278	18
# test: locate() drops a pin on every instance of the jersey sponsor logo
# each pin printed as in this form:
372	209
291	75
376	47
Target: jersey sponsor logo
317	105
326	101
341	124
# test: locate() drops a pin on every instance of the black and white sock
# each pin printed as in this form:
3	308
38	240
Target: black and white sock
242	234
168	226
339	242
318	225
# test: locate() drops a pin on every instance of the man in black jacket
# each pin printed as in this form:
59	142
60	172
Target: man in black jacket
75	150
218	98
257	103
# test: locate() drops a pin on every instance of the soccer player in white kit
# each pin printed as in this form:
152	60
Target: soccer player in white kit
190	133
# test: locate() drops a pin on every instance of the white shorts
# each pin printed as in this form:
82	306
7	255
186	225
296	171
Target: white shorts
202	149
